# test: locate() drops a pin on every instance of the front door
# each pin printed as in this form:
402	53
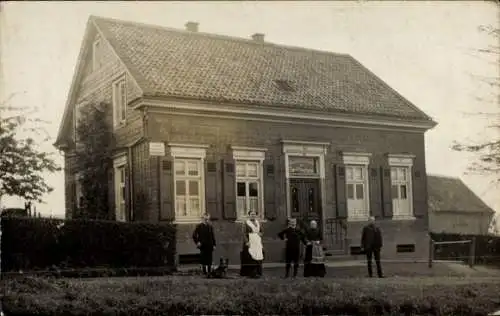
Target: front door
305	201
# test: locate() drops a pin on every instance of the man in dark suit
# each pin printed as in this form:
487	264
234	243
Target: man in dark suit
371	243
204	238
293	237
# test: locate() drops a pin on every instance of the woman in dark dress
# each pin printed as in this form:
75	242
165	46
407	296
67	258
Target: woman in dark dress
252	254
314	265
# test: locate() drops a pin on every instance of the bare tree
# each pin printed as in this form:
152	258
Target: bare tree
488	161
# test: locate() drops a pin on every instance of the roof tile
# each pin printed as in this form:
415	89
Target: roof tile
451	194
176	63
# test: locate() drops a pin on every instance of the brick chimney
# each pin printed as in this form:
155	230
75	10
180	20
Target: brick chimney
258	37
191	26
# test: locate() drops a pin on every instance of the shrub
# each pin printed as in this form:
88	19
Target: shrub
40	244
197	296
487	248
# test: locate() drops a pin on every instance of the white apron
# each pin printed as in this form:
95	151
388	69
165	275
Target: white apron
317	254
255	247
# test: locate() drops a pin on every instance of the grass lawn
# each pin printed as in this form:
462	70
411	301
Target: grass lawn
182	295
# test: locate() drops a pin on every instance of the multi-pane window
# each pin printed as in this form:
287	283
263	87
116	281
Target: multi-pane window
303	166
188	188
119	101
356	187
400	186
120	195
248	187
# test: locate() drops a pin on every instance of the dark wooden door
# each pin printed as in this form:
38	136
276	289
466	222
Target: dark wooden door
305	201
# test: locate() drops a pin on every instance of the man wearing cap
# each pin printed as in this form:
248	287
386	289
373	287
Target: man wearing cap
293	237
371	243
204	238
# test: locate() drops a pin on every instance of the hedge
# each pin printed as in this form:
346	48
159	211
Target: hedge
197	296
487	249
41	244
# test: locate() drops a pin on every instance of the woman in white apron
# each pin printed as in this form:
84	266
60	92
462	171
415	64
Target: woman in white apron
253	253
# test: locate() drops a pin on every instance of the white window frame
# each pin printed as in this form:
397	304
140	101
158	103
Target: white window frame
358	160
119	104
250	155
119	164
96	54
317	150
183	152
404	160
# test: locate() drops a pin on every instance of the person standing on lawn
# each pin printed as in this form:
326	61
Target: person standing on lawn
371	243
293	237
252	254
204	238
314	261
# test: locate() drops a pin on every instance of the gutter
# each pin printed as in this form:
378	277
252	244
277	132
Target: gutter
130	182
205	108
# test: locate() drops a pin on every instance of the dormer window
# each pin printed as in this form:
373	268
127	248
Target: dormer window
119	101
96	54
284	85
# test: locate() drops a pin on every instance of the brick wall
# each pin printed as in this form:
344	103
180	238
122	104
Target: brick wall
471	223
220	133
394	232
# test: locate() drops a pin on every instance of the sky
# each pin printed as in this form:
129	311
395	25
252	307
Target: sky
427	51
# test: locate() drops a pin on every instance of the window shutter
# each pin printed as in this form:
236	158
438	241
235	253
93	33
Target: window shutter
340	191
167	194
229	184
420	206
128	210
212	189
330	194
111	194
269	190
375	195
385	179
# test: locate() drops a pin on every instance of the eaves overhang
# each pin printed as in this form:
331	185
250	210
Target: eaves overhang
250	112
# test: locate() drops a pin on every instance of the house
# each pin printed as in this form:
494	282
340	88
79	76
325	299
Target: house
455	209
206	122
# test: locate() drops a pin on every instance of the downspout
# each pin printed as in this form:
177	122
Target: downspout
131	183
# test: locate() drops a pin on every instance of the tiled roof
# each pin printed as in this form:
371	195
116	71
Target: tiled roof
178	63
451	194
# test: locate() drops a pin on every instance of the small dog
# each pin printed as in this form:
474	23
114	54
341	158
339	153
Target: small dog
221	271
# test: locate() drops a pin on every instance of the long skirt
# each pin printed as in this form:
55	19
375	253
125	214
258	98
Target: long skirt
249	266
313	269
206	256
